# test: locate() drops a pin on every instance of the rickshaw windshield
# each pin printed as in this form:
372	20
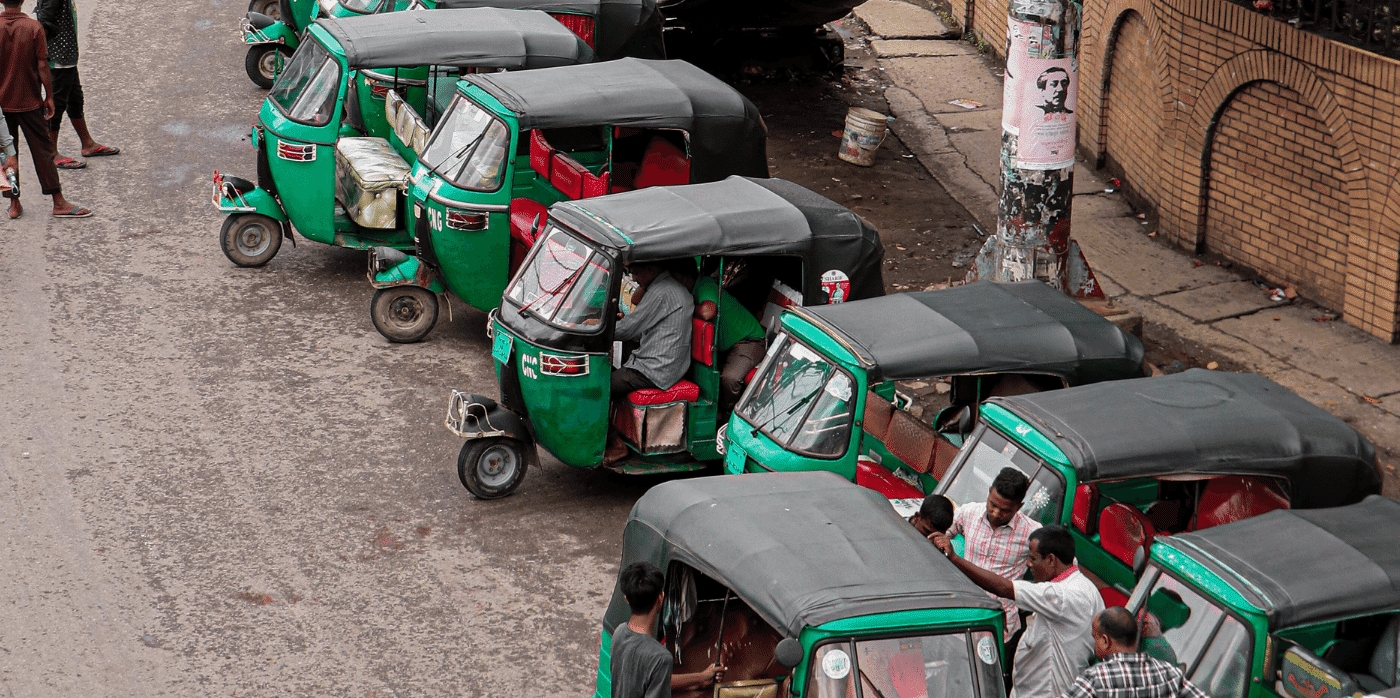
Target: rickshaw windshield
939	666
1181	627
800	400
984	455
363	7
564	283
469	147
307	89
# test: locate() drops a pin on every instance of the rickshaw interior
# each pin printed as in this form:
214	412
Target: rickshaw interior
704	622
1121	516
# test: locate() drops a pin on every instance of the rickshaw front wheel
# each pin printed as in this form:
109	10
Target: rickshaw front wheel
250	240
261	63
404	314
271	8
491	468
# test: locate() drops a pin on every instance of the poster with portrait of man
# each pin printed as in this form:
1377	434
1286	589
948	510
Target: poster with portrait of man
1047	118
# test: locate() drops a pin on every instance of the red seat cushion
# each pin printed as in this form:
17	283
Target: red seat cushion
567	176
1086	504
1112	597
522	233
874	476
1122	530
1232	498
581	25
682	391
702	341
663	164
541	154
911	441
595	185
878	412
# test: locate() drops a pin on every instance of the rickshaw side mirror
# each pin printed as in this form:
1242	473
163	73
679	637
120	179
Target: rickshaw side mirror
1139	560
788	653
965	421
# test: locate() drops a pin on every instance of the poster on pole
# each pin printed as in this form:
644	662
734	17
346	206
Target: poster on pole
1025	41
1047	121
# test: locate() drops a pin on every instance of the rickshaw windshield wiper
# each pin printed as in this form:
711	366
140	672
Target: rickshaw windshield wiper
466	159
796	405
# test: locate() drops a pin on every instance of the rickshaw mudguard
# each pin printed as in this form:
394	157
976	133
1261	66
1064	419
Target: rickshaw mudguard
473	416
275	33
259	200
410	272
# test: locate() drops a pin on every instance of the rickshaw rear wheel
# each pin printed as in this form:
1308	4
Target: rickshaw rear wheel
492	468
261	63
404	314
271	8
251	239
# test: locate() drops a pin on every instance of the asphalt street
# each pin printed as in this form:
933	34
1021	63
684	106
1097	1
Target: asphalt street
221	481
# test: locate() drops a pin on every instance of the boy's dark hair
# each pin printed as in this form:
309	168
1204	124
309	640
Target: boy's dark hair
1012	484
1118	625
641	583
1054	540
937	511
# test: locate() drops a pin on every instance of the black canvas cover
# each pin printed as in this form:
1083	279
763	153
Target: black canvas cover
1205	422
485	37
726	136
1304	567
735	216
621	28
801	549
983	327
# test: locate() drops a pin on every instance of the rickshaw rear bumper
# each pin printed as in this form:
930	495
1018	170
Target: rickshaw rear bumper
473	416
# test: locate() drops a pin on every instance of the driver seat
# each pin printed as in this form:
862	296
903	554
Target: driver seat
654	421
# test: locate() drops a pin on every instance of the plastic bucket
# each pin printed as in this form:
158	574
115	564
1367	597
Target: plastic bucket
865	131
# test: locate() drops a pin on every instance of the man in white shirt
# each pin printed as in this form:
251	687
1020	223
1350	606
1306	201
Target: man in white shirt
1058	641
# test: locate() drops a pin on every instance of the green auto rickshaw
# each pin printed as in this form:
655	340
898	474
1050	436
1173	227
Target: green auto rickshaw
611	28
812	587
511	144
1120	462
770	242
986	338
337	135
1289	604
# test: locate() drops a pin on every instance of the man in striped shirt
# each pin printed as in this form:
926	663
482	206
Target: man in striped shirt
661	324
1122	671
997	534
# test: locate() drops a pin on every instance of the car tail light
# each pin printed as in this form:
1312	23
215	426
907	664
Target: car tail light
561	365
305	152
466	220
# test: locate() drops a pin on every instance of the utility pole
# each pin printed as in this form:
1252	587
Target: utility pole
1039	102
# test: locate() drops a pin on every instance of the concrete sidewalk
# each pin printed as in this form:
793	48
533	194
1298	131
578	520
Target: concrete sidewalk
1221	315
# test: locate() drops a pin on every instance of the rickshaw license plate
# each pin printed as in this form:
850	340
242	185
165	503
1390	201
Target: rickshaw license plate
501	345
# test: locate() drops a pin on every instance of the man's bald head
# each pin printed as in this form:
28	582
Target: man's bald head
1114	631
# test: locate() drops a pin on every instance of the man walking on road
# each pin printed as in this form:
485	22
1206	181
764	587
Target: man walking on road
1058	642
1124	672
60	22
26	98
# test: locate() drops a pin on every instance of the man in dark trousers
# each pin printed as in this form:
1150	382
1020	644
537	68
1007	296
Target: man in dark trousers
640	666
60	22
26	98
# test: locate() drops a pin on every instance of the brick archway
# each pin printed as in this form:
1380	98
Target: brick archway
1105	52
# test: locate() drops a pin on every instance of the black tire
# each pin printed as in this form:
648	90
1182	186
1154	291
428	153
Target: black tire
261	63
271	8
250	239
404	314
492	468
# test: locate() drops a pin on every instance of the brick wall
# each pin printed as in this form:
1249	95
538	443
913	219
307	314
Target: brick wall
1246	137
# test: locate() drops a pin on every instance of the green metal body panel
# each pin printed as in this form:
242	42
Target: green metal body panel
770	456
1028	437
410	272
568	414
265	203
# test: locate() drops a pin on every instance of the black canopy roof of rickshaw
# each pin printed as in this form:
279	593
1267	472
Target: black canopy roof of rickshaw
1206	423
801	549
483	37
735	216
1303	567
726	133
984	327
620	28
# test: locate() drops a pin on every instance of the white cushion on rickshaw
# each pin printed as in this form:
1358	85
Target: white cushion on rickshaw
372	161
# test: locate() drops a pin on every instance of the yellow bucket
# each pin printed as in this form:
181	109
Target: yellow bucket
865	131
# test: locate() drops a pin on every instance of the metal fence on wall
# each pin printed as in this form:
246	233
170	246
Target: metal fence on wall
1367	24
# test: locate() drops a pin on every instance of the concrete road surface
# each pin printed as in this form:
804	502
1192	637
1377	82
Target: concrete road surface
223	482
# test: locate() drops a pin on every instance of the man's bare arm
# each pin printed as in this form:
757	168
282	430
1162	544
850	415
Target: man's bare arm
990	581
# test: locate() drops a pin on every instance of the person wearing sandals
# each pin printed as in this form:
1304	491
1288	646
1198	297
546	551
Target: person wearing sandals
26	98
60	22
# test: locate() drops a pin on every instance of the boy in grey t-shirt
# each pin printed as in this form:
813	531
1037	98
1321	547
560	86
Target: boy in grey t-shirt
640	666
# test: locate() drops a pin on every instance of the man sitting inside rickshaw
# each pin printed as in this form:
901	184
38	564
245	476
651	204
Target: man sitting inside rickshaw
739	339
660	322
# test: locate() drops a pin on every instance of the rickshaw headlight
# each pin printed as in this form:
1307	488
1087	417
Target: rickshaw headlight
466	220
563	365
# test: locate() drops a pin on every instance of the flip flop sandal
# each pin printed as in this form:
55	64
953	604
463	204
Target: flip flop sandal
77	212
70	164
103	151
